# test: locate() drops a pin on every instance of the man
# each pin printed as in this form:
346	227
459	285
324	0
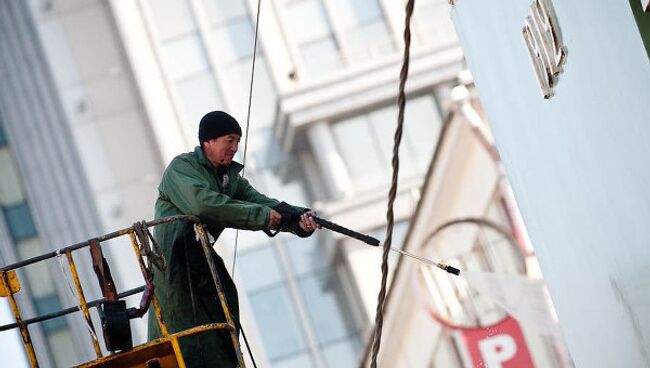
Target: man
206	183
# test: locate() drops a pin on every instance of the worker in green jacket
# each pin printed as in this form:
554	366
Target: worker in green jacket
206	183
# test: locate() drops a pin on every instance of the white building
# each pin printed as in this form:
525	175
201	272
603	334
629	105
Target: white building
496	313
576	160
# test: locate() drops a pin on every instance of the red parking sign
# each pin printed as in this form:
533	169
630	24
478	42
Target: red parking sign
498	346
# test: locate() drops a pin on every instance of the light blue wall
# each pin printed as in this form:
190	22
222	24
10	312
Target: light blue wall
579	164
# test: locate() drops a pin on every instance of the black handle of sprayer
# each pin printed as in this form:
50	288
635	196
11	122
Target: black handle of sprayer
345	231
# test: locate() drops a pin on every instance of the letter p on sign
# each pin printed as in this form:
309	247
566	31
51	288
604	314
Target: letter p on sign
498	346
497	349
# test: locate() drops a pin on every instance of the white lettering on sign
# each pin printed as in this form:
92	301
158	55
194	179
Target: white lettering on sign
497	349
544	43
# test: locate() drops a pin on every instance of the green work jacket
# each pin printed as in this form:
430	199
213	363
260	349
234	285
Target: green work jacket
191	185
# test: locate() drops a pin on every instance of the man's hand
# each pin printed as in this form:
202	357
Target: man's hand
274	220
307	222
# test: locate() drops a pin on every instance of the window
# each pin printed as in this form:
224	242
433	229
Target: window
173	18
38	275
200	81
235	39
48	304
3	137
219	11
233	35
19	220
62	348
367	167
185	57
199	94
260	268
432	24
309	27
364	28
331	33
186	61
344	353
371	167
277	319
323	303
306	255
10	189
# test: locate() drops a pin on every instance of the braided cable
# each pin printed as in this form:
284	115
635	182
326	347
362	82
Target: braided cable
401	102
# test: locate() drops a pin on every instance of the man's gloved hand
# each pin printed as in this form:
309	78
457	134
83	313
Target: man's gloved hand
307	222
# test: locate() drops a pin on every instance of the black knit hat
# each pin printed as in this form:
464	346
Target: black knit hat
216	124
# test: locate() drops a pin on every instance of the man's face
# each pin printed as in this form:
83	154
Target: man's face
220	151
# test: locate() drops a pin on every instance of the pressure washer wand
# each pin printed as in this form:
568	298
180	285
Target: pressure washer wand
375	242
450	269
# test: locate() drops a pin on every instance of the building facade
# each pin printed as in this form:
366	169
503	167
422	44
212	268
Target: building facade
127	82
568	112
497	312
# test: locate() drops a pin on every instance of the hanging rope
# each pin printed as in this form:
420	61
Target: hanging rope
401	102
248	118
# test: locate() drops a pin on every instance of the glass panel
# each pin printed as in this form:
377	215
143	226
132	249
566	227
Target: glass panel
365	165
422	127
344	353
321	57
384	123
62	348
235	40
259	268
306	20
221	10
172	17
185	57
10	189
369	40
276	318
286	185
199	96
250	239
49	304
353	12
3	137
306	254
301	361
264	95
38	275
322	299
20	222
433	25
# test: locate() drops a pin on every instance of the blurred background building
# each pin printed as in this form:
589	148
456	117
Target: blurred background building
96	97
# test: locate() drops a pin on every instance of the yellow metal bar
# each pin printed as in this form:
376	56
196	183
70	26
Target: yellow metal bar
27	340
11	286
143	269
222	297
82	302
156	306
171	339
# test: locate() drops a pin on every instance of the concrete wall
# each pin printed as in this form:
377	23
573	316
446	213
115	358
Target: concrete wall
578	164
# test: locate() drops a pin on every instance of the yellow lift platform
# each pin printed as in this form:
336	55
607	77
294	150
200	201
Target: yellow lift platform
164	352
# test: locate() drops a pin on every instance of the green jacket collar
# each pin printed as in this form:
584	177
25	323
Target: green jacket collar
234	167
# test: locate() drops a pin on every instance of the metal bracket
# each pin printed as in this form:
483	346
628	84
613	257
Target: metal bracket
14	285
